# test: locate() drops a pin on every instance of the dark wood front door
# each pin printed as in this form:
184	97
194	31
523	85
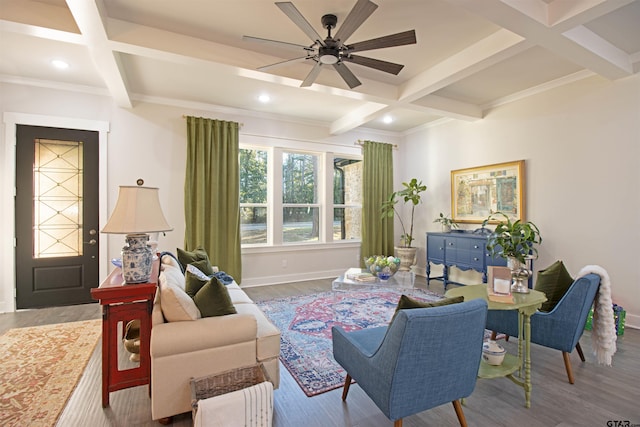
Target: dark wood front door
56	212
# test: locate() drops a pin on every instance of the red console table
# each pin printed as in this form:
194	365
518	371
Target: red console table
122	303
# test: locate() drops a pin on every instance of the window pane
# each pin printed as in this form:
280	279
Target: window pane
300	224
347	223
347	190
299	177
253	176
347	181
253	224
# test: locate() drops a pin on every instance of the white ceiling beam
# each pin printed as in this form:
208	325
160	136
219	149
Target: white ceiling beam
550	38
448	107
357	117
564	15
41	32
495	48
89	17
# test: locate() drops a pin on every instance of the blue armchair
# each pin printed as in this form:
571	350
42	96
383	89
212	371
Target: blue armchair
560	328
424	358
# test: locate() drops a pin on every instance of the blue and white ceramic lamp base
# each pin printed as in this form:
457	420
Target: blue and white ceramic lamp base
137	259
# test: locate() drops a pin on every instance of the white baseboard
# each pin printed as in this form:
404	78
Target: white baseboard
288	278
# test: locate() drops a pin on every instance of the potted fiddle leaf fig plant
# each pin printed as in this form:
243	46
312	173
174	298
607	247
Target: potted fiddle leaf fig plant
515	241
446	222
410	194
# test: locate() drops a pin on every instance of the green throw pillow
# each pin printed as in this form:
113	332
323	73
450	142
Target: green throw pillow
203	265
213	299
187	257
406	302
554	281
193	283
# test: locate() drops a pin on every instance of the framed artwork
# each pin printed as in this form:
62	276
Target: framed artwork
478	192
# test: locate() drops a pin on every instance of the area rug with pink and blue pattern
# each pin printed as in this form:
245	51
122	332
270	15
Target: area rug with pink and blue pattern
305	323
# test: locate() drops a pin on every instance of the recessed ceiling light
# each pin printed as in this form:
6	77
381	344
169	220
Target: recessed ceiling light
264	98
60	64
387	119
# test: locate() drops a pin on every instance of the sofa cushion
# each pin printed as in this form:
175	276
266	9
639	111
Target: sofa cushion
238	296
212	299
172	339
176	305
554	281
268	336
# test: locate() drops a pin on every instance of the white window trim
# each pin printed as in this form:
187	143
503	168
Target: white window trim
274	198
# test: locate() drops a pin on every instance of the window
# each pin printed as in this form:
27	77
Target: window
300	208
289	196
347	199
253	196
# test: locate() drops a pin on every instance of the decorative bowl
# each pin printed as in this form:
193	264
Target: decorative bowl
493	353
382	266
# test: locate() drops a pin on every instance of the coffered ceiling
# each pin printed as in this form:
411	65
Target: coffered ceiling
470	54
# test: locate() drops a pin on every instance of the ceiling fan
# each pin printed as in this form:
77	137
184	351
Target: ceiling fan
334	50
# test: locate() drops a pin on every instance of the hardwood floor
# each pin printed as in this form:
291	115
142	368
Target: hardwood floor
600	393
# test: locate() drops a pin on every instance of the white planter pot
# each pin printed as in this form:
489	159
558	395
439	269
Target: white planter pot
407	257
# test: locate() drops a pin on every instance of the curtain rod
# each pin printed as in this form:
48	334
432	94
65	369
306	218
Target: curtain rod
362	141
184	116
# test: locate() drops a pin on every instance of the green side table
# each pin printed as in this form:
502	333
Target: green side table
527	305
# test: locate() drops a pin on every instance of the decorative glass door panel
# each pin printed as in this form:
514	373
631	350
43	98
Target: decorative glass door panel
57	198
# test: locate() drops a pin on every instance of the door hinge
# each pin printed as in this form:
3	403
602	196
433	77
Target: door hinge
15	242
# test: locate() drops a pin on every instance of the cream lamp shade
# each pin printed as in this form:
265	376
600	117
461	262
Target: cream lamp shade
137	212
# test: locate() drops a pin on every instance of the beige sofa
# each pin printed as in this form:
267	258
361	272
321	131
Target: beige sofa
185	346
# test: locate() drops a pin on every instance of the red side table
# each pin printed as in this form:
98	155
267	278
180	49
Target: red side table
122	303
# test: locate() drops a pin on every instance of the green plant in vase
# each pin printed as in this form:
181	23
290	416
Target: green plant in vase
409	194
515	241
447	223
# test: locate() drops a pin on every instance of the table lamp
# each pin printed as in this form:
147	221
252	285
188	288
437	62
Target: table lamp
137	213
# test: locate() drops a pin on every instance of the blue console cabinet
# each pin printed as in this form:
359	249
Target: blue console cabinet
464	250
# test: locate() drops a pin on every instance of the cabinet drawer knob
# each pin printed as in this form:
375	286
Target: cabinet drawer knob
476	246
476	259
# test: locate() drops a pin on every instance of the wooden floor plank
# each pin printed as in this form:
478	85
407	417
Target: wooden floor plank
600	393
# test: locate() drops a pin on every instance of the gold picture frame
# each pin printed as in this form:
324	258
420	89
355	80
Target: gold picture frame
478	192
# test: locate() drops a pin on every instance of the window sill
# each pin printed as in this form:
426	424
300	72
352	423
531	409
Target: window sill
297	247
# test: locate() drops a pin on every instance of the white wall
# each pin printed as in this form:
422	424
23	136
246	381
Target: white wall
581	144
148	142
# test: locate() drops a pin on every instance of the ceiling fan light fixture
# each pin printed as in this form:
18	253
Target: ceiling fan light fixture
328	55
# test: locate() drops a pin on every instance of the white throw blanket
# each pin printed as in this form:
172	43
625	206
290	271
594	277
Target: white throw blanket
249	407
603	335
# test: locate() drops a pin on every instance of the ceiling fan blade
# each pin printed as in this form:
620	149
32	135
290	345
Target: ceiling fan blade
279	43
360	12
266	67
347	75
378	64
294	14
399	39
313	74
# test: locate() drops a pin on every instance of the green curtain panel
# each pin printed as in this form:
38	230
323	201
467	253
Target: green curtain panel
212	192
377	185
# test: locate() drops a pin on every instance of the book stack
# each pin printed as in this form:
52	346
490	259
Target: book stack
357	275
